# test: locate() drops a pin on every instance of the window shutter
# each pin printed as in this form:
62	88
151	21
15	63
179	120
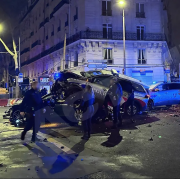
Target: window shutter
137	7
103	7
141	7
108	6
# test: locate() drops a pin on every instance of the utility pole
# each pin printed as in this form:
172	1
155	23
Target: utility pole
124	42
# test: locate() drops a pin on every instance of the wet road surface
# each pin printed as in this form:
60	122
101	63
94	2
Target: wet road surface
147	149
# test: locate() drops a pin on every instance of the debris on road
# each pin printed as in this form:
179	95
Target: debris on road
45	140
62	147
149	125
1	164
151	139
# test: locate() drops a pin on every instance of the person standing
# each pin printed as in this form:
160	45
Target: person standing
115	94
88	111
130	102
31	108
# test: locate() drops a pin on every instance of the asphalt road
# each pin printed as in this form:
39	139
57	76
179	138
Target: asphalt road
147	149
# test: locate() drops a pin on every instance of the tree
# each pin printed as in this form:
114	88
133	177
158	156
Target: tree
4	63
15	57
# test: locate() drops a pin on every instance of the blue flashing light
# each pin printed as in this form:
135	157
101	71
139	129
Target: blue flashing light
154	82
56	76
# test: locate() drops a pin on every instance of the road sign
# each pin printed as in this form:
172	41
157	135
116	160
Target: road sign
97	65
20	75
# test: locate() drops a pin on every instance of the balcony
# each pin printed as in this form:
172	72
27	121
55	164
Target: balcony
140	14
38	42
60	5
107	13
95	35
25	50
46	20
41	25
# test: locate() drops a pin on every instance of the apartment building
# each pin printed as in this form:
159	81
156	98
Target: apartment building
94	37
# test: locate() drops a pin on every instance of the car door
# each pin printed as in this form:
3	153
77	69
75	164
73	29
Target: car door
160	95
174	93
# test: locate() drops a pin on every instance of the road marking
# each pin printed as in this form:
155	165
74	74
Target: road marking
58	144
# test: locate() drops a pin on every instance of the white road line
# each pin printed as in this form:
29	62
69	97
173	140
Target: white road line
57	143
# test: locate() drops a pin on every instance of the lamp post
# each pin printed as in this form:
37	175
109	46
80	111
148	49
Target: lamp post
122	4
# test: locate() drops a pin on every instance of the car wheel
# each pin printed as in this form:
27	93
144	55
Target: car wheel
151	105
16	117
135	109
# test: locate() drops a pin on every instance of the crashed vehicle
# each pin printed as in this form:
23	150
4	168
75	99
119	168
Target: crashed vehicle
14	111
71	90
164	94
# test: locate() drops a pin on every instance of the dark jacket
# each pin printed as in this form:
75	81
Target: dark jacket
31	102
115	94
87	101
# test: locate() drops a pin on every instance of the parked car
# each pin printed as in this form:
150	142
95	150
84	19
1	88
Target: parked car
164	94
71	93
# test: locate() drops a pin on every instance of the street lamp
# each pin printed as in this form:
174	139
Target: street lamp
1	28
122	4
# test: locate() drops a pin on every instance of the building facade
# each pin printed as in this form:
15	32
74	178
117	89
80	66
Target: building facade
94	35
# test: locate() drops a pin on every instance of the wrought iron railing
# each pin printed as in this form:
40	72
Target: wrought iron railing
96	35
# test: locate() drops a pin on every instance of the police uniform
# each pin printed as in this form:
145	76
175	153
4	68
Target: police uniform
88	111
115	95
32	105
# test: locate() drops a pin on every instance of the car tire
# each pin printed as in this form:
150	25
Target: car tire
151	105
15	115
136	109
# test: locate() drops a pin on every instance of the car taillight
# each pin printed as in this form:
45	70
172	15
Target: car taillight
147	96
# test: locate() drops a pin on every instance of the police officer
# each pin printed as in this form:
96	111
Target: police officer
115	94
88	111
31	107
130	101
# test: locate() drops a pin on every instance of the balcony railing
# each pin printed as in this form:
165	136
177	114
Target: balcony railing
107	13
25	50
140	14
38	42
41	24
46	20
62	3
95	35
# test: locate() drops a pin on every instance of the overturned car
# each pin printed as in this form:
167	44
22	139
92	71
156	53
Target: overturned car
71	91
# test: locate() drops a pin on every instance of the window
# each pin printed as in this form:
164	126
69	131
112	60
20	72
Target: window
52	32
137	87
162	87
107	53
126	85
76	15
141	56
106	8
66	23
140	10
140	32
59	28
174	86
104	81
107	31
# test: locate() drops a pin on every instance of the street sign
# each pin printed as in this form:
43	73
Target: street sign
97	61
20	75
20	80
97	65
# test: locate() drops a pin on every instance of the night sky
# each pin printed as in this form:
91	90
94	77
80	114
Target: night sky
9	11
